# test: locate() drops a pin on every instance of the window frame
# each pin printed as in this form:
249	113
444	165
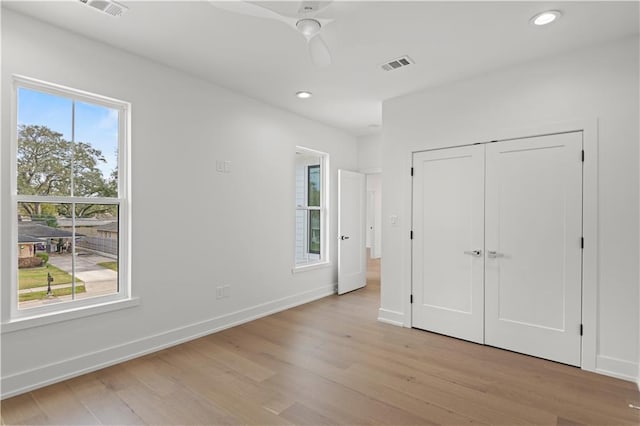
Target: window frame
68	309
323	209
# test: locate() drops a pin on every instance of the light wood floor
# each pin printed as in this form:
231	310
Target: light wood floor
331	362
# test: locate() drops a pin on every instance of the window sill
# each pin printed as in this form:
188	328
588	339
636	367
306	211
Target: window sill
71	314
310	267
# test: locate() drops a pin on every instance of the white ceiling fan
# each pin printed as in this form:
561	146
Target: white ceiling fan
300	16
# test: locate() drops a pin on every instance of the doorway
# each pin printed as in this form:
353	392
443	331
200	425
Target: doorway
374	215
374	229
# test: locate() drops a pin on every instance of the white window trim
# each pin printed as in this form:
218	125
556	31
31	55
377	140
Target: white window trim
324	216
36	316
311	266
67	315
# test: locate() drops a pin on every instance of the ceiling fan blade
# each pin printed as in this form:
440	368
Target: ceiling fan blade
319	52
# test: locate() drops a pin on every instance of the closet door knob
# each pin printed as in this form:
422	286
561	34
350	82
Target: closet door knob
474	253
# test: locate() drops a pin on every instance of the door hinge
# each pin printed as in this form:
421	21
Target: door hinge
412	171
583	155
411	298
411	235
581	329
582	242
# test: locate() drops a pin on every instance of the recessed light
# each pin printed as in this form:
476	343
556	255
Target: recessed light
303	94
545	17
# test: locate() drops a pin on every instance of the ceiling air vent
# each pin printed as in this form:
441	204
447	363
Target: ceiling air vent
394	64
107	6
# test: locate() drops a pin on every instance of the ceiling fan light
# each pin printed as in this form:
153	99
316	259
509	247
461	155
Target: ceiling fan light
546	17
308	27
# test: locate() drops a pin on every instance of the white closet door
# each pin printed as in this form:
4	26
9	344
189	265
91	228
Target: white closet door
533	242
448	223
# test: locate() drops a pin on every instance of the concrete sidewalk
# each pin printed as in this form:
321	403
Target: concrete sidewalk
44	288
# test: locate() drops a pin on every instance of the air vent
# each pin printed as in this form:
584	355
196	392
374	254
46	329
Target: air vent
394	64
107	6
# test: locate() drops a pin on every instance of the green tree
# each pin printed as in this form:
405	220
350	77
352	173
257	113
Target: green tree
45	163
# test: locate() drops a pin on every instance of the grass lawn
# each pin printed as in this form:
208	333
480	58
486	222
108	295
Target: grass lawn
37	295
37	277
109	265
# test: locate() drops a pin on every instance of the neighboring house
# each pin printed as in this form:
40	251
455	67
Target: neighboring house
109	231
27	246
34	233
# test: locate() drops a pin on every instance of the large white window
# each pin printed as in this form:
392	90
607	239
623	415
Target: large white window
70	223
311	205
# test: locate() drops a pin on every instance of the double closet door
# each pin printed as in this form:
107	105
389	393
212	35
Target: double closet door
497	253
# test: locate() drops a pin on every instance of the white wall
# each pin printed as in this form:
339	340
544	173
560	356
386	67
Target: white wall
597	83
370	153
244	219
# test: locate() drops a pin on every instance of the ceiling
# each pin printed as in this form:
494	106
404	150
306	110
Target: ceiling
267	60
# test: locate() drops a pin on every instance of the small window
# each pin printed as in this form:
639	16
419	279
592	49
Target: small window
71	199
310	207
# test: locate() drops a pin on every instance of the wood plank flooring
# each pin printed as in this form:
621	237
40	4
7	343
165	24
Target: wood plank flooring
330	362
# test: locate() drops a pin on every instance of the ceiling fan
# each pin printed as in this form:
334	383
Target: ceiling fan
300	16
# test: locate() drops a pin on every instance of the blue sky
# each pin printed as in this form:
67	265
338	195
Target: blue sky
95	124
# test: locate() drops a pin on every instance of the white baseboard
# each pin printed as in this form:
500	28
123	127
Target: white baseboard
618	368
391	317
45	375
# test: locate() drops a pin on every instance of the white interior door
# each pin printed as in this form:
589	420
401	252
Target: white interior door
448	226
533	242
352	255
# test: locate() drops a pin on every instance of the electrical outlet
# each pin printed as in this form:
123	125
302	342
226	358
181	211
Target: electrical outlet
226	291
219	293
